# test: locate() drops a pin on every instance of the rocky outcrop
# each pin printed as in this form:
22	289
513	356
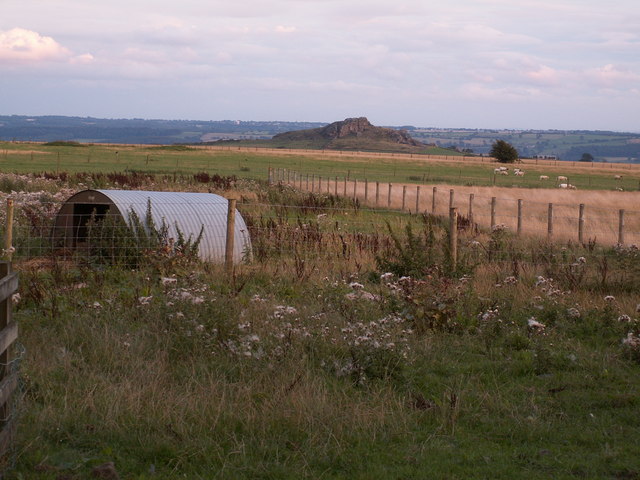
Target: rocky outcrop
360	126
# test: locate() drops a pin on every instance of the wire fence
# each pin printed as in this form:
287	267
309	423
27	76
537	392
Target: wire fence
314	225
607	218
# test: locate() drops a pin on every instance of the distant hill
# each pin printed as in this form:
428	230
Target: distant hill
349	134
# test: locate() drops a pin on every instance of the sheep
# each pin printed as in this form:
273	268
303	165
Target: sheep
504	172
571	187
618	177
562	179
563	185
519	173
544	177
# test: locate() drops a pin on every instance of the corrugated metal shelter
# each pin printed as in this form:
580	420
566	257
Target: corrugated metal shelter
190	213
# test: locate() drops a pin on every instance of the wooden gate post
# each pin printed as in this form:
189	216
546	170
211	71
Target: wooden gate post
8	378
8	238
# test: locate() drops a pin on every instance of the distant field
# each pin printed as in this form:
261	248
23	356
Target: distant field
255	163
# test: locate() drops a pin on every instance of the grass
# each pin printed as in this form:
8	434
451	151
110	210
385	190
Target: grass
254	163
307	364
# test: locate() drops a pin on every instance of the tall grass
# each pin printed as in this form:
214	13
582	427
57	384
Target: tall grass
316	361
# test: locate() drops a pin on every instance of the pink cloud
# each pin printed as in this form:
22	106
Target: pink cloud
25	46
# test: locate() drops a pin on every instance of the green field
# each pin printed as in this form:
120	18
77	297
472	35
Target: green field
255	164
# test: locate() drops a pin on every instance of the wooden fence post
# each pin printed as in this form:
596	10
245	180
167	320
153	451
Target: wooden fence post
377	193
453	237
336	187
471	197
621	227
231	228
519	227
550	222
493	212
366	190
451	198
389	195
433	200
344	194
418	199
8	238
581	224
355	188
404	196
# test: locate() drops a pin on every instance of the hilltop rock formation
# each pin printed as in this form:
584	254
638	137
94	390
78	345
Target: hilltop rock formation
350	133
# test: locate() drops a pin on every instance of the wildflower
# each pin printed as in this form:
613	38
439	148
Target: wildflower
356	286
126	344
534	324
15	298
510	280
582	260
624	318
573	312
168	280
388	276
145	300
632	340
96	305
609	298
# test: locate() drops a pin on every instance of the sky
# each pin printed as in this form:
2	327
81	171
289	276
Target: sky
504	64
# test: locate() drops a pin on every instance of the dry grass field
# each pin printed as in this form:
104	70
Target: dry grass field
601	208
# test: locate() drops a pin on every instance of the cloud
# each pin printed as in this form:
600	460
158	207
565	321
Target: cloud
25	46
285	29
609	76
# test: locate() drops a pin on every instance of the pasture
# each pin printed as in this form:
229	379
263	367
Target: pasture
349	347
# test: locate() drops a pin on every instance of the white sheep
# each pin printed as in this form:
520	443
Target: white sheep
544	177
504	172
618	177
562	178
519	173
563	185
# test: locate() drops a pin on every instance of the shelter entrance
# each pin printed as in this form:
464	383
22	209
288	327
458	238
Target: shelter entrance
82	213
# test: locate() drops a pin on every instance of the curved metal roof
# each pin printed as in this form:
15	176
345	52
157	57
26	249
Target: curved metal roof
189	212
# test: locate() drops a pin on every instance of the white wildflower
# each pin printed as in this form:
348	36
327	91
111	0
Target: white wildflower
356	285
609	298
631	340
573	312
145	300
15	298
168	280
534	324
624	318
96	305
